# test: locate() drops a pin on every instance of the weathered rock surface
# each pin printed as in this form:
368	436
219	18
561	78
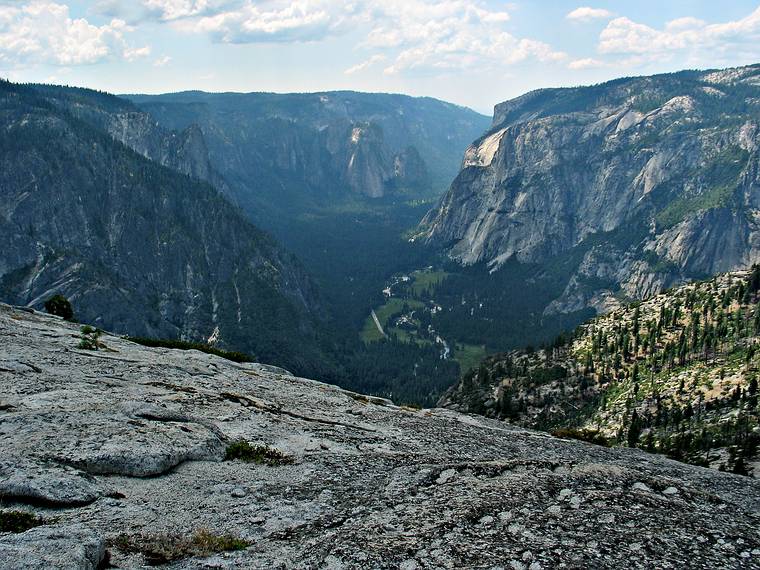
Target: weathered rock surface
65	547
45	482
372	485
638	183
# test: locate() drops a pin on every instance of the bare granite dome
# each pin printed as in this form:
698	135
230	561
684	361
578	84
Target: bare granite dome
112	445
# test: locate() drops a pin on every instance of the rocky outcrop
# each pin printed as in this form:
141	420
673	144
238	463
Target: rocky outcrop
45	483
659	174
137	247
74	547
410	170
367	484
184	151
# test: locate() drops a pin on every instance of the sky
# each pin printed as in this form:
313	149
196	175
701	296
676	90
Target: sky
470	52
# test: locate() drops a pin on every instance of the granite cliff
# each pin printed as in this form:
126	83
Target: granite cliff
297	153
636	185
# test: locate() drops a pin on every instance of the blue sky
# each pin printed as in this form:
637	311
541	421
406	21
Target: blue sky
471	52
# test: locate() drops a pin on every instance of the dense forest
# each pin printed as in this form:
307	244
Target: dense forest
676	374
503	309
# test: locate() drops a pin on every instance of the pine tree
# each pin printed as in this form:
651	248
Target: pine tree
634	430
60	306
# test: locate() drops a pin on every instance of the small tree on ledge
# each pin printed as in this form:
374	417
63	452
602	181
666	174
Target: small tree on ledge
60	306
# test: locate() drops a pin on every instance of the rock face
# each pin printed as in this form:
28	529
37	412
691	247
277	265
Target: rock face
643	182
184	151
73	546
137	247
370	485
303	152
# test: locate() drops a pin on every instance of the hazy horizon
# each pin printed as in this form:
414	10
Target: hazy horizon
472	53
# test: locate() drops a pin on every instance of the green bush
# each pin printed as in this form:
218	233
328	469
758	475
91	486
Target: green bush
183	345
60	306
90	339
18	521
158	549
261	454
587	435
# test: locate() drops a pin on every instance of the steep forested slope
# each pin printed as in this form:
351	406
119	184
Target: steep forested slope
675	374
138	248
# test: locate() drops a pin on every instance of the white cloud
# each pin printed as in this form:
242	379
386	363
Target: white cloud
108	8
59	76
162	61
683	24
431	35
586	14
689	36
586	63
131	54
448	35
177	9
44	32
377	58
273	21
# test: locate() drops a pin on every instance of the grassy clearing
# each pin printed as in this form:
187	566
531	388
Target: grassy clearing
468	355
394	305
369	331
409	337
426	279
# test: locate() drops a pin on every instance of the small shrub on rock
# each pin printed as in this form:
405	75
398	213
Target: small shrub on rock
90	338
158	549
18	521
60	306
184	345
261	454
587	435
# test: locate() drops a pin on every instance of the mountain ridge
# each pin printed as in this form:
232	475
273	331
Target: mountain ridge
340	113
117	222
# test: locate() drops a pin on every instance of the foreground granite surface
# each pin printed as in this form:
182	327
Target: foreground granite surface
131	440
